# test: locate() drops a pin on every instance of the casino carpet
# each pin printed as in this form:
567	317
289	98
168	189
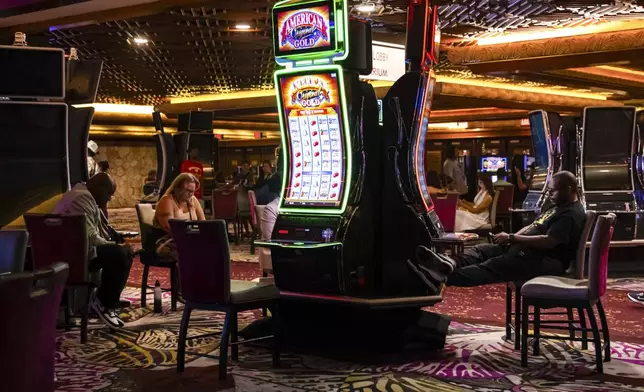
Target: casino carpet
142	356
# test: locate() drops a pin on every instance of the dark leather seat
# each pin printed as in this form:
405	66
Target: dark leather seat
13	246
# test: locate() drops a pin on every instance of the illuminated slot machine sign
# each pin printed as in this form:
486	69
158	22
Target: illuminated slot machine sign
305	30
493	164
312	112
419	153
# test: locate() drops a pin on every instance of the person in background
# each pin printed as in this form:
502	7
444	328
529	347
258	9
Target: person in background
244	177
194	167
178	202
434	182
254	176
501	176
150	184
546	247
105	250
92	152
104	166
454	172
269	185
471	216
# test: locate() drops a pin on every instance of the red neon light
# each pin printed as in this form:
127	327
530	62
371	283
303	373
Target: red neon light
282	231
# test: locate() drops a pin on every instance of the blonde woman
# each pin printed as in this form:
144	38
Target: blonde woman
178	202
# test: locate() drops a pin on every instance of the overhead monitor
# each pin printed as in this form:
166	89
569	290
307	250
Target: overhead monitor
608	136
492	164
312	110
27	72
317	28
195	121
418	165
83	78
33	156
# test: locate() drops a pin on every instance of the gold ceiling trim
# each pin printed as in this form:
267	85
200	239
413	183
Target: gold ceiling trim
564	46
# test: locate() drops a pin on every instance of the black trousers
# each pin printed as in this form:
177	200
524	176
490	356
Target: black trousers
489	263
116	261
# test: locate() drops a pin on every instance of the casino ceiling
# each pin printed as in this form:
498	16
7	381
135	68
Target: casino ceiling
512	54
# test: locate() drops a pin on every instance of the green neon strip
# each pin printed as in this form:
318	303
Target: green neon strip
322	61
303	63
297	245
340	29
347	140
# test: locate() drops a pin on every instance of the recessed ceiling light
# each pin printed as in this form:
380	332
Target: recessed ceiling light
242	26
140	40
366	8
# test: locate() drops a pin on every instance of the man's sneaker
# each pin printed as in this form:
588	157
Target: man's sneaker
434	261
428	280
637	297
108	316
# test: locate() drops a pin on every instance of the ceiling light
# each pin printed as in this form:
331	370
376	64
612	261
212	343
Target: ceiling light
140	40
242	26
366	8
118	108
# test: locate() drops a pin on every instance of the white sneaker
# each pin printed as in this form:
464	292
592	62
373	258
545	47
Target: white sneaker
108	316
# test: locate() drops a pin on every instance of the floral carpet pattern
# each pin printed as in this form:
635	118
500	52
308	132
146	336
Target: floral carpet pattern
142	356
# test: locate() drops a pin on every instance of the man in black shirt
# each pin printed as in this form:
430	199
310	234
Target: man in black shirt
546	247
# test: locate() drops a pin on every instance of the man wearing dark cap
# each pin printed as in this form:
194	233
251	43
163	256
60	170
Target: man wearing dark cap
546	247
104	250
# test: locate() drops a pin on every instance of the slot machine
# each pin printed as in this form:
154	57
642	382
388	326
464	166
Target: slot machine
406	118
608	179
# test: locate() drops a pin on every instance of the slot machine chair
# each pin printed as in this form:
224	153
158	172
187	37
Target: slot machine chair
576	271
445	205
491	227
506	200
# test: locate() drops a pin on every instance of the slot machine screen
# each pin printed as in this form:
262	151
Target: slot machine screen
33	164
493	164
32	72
305	28
541	151
527	161
419	153
607	147
316	153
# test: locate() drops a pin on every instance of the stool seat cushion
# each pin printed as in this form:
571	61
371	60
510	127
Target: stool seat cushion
247	291
555	287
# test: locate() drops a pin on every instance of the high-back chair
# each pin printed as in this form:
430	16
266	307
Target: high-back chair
13	247
224	206
204	260
30	303
547	292
576	271
506	199
445	207
149	258
63	238
254	219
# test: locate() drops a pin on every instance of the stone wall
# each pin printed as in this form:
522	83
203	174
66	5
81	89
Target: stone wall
130	161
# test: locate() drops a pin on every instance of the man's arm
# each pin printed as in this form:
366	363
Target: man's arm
558	233
87	206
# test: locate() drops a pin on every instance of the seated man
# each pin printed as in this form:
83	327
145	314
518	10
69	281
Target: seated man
546	247
104	252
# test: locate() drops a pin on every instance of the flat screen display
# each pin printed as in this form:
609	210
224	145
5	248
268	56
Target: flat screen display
493	164
32	72
312	113
419	153
540	149
527	161
305	28
33	166
83	79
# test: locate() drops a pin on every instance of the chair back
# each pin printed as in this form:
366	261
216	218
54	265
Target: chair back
252	199
149	233
494	208
598	257
59	238
13	246
506	198
29	303
224	204
445	207
580	259
204	260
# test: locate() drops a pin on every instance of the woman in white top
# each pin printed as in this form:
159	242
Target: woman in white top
178	202
471	216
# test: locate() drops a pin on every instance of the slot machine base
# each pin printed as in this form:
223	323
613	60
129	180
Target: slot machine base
352	330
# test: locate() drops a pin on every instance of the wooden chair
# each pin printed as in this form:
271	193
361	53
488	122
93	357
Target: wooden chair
30	303
204	259
548	292
63	238
224	206
575	271
149	258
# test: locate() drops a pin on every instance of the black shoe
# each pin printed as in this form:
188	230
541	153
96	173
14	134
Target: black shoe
636	297
431	283
108	316
434	261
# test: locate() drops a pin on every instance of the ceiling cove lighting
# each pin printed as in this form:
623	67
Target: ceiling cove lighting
242	26
118	108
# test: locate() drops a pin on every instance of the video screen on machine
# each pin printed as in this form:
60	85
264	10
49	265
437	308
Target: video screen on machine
492	164
304	29
419	154
541	152
312	114
527	162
